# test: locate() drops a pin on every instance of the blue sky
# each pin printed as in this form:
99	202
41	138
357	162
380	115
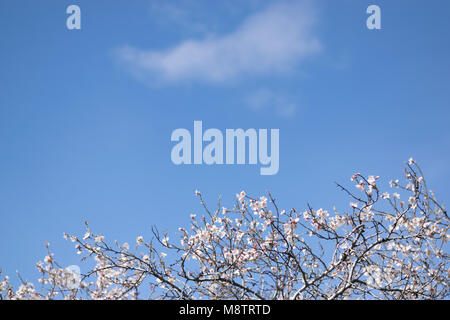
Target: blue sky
86	115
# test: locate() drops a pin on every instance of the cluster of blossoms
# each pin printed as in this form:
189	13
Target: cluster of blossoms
381	247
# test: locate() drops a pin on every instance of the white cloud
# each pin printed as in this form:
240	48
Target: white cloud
264	99
270	41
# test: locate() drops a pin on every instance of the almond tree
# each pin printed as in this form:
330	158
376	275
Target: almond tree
387	245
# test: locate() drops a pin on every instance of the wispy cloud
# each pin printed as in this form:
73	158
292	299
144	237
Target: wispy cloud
273	40
263	99
183	15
